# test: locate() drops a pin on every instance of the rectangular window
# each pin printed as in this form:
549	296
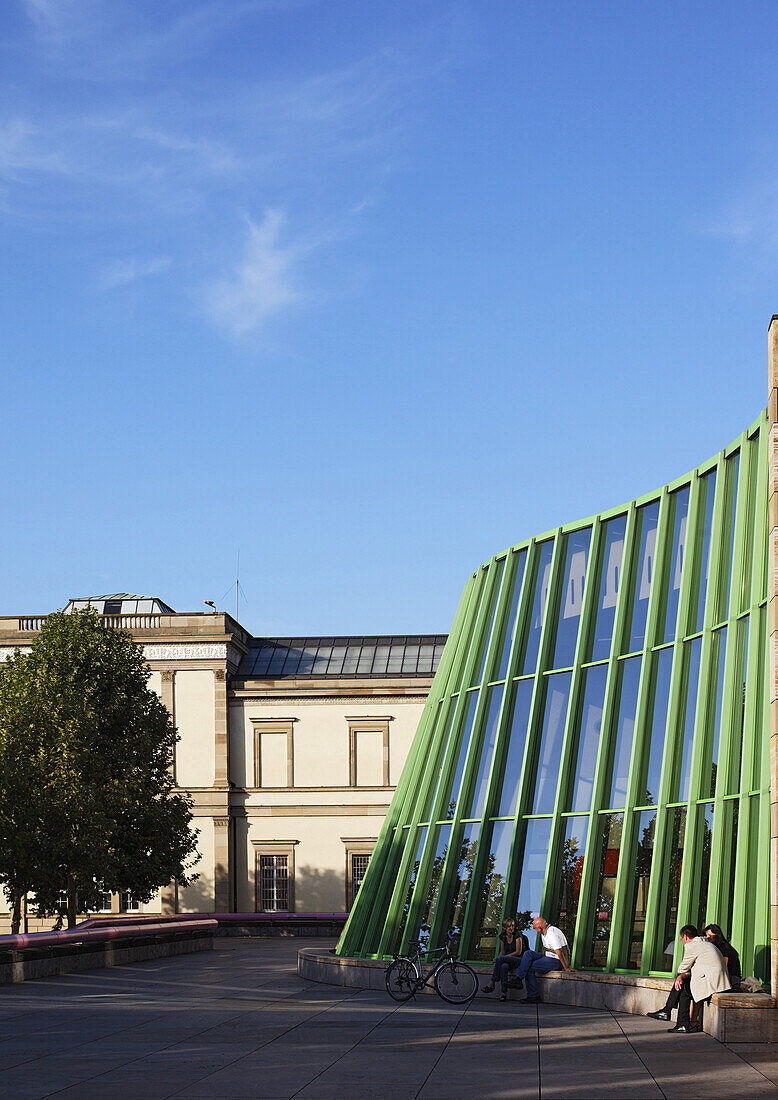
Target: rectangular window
274	884
589	737
570	871
104	904
463	874
610	566
671	886
626	708
702	862
478	671
656	722
701	562
487	753
514	757
542	579
471	700
359	862
671	586
679	791
728	537
571	601
637	899
738	706
533	868
433	886
369	751
609	841
416	839
647	520
493	892
710	762
509	624
128	903
557	694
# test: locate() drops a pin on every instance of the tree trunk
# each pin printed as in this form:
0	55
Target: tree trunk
16	914
72	901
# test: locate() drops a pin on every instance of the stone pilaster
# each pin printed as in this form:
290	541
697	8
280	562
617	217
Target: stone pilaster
221	864
772	406
221	774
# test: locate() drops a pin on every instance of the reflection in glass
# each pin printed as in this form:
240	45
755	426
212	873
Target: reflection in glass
463	874
609	841
498	567
645	538
542	580
702	863
418	841
557	693
445	742
710	762
700	583
433	888
629	680
570	871
517	741
487	752
610	577
533	869
738	705
509	624
728	536
677	518
589	737
471	699
492	891
656	722
685	726
637	899
571	602
732	814
671	885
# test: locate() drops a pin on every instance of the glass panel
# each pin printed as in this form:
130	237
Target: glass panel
700	584
750	524
711	760
419	840
493	890
679	791
589	737
728	537
609	848
610	578
557	693
762	725
571	602
533	871
656	722
542	581
647	519
676	834
738	706
433	888
668	611
487	752
426	810
629	680
637	898
573	845
495	590
731	817
471	699
702	863
515	756
509	623
463	875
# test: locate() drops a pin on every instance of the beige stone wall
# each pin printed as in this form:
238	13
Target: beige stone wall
193	714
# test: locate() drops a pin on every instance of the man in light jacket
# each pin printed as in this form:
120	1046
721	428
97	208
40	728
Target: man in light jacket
707	974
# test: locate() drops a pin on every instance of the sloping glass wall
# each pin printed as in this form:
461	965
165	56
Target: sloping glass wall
595	742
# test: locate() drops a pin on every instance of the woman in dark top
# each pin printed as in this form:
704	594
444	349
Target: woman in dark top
512	947
731	957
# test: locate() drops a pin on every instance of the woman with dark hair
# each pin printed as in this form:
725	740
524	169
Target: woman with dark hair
513	944
731	958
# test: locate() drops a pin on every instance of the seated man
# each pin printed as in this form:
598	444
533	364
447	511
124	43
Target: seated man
702	973
556	957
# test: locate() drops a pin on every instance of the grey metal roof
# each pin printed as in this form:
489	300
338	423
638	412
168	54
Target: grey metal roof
386	655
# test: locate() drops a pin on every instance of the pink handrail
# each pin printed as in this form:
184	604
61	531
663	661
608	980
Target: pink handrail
104	933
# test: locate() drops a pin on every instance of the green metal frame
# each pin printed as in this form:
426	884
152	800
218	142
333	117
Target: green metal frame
386	915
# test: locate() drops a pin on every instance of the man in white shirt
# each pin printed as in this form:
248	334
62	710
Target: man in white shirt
556	957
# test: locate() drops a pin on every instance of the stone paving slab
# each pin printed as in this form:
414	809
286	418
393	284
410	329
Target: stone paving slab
240	1023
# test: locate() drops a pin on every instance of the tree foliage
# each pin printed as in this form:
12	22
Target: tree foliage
87	800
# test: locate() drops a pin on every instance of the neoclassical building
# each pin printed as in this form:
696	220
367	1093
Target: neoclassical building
291	749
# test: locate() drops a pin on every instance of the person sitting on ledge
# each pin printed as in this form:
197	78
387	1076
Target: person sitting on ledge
731	958
556	957
701	974
512	947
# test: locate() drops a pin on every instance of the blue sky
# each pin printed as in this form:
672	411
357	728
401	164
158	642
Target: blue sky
364	293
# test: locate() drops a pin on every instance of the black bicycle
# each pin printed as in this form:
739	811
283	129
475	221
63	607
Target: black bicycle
454	981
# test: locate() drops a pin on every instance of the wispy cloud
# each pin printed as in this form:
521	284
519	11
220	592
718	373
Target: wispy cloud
121	272
262	284
752	217
22	152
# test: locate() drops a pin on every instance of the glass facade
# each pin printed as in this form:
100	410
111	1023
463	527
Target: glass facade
593	745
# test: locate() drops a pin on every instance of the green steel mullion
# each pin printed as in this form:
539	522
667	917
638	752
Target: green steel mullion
656	900
663	548
448	765
572	719
589	870
689	887
399	892
501	612
760	926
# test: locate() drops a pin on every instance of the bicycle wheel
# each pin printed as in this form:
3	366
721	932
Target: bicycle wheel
456	983
402	977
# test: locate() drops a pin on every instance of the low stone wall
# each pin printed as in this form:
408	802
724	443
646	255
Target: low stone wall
308	925
730	1018
47	960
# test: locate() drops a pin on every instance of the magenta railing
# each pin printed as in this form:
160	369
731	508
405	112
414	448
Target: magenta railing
100	931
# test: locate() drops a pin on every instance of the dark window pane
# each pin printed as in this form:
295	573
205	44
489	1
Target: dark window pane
263	659
637	898
433	887
410	659
571	600
471	699
306	661
647	519
702	862
542	579
710	762
738	706
322	660
609	848
589	737
655	726
679	791
533	869
571	869
418	842
292	661
463	875
557	693
671	884
446	741
277	661
491	896
515	755
627	701
610	568
668	610
509	623
487	752
351	660
704	524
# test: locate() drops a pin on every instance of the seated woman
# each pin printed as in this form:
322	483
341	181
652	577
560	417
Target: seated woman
512	947
731	958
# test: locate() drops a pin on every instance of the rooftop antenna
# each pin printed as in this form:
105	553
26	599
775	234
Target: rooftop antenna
237	586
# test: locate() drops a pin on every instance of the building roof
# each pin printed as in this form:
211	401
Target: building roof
121	603
385	655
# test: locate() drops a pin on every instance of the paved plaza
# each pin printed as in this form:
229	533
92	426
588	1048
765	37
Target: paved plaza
238	1022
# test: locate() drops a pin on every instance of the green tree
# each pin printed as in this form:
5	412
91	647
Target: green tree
87	800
